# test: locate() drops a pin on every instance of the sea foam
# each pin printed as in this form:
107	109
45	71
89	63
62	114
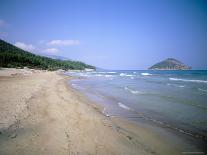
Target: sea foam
176	85
146	74
123	74
123	106
204	90
77	86
99	75
187	80
129	75
108	75
111	72
132	91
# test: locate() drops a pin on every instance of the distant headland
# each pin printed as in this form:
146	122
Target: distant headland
170	64
14	57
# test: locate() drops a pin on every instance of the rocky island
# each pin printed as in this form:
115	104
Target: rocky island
170	64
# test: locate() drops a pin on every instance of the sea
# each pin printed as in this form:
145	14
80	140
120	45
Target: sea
176	100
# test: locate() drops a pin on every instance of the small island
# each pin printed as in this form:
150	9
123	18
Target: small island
170	64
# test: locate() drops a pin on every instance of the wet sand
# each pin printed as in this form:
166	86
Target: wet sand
41	114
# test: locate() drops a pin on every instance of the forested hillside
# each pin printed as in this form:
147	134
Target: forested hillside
14	57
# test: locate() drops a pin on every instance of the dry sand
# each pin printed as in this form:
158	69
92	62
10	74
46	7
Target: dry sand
41	115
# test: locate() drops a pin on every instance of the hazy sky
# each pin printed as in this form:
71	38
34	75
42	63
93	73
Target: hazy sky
112	34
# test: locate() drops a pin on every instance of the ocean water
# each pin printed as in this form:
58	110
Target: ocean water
172	99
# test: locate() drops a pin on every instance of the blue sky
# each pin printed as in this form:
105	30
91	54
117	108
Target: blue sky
111	34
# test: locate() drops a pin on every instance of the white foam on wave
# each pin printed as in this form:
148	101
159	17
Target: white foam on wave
129	75
111	72
74	85
176	85
146	74
123	106
204	90
106	72
99	75
101	72
187	80
123	74
83	75
132	91
77	87
108	75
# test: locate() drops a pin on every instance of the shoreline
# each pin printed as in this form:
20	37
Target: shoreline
150	140
42	114
193	141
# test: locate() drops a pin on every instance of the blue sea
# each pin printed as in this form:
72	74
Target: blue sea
173	99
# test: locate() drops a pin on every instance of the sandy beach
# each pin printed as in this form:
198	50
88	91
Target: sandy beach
41	114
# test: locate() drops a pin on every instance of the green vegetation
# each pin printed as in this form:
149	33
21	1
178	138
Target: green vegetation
170	64
14	57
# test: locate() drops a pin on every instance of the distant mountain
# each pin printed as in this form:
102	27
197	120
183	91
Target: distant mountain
55	57
170	64
14	57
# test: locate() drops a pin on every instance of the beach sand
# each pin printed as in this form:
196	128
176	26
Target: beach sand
41	114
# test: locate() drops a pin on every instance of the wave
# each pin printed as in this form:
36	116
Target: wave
101	72
83	75
77	87
176	85
123	74
132	91
187	80
74	85
108	75
166	125
129	75
102	75
99	75
123	106
146	74
204	90
105	72
111	72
